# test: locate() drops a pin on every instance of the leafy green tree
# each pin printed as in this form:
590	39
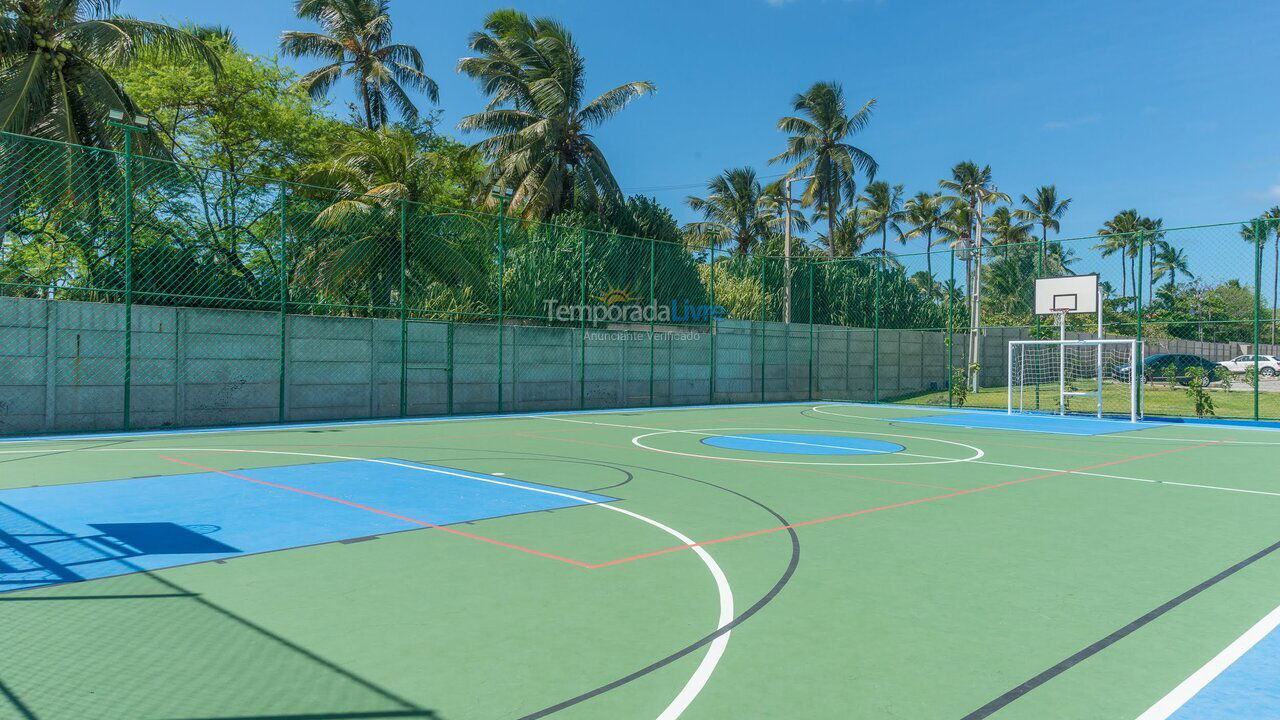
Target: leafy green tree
1045	210
541	144
735	210
818	145
57	61
882	212
925	215
357	43
230	130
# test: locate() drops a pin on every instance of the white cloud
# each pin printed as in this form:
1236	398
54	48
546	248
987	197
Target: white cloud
1066	123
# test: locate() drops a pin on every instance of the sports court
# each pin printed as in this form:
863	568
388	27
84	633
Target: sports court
816	559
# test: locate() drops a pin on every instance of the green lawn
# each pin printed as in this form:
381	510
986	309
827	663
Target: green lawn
1158	399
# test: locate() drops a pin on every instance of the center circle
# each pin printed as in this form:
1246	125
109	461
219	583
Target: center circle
801	444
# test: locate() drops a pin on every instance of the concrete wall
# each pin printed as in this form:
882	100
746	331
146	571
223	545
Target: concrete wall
62	366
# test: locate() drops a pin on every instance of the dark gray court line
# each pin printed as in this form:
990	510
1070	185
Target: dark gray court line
1093	649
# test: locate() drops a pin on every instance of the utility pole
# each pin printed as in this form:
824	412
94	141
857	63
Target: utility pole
786	249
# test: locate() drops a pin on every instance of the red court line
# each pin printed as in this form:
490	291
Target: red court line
367	508
891	506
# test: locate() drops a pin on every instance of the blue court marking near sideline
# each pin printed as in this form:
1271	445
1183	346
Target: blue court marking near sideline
800	444
1246	689
1053	424
63	533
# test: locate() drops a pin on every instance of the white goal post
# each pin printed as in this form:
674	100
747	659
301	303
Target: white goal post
1067	369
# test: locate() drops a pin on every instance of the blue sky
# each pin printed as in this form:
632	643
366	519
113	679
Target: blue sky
1168	106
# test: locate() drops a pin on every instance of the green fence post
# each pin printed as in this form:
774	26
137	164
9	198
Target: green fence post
875	341
951	328
1259	236
404	316
502	279
128	273
763	332
1139	367
810	262
1039	271
711	330
582	364
653	311
449	366
284	294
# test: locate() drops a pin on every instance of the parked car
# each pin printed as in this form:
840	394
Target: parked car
1268	365
1154	367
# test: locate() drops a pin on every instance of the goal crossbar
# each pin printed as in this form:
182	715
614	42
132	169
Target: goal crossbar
1073	369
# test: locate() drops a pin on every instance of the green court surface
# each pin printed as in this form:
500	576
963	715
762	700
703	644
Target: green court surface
777	561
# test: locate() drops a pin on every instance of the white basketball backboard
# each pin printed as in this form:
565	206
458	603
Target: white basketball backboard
1071	294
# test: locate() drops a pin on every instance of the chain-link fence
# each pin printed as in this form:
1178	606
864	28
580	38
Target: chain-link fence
140	293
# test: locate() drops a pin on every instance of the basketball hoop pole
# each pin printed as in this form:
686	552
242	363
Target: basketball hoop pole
1062	361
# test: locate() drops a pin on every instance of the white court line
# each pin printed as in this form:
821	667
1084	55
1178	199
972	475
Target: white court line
1177	697
1156	425
937	460
975	460
715	650
371	422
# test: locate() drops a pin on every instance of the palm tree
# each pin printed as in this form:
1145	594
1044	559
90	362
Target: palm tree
1123	235
357	43
1046	210
540	144
377	172
818	146
882	213
736	209
1005	228
972	186
1168	260
924	213
56	60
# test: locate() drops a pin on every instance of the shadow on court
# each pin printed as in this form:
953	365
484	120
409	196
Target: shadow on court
142	646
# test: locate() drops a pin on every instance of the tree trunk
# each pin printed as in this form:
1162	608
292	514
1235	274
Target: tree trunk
831	228
928	259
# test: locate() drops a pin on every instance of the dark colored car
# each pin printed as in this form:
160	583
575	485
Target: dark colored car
1155	367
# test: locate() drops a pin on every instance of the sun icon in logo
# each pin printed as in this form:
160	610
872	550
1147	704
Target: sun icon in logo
614	296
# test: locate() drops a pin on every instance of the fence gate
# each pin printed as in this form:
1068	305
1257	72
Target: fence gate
426	386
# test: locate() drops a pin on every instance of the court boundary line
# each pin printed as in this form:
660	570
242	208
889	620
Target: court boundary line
1207	673
424	419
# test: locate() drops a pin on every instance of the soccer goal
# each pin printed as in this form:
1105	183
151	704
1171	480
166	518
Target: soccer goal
1084	375
1074	375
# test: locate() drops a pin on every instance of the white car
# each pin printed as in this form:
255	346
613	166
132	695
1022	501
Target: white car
1268	365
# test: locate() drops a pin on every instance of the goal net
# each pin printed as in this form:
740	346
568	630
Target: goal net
1073	376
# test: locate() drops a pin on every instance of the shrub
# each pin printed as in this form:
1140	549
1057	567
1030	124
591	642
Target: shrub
1200	398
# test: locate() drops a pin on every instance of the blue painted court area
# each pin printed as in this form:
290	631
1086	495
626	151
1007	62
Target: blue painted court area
1248	688
1055	424
799	444
65	533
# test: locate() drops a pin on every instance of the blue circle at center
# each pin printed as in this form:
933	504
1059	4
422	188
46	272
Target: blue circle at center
799	444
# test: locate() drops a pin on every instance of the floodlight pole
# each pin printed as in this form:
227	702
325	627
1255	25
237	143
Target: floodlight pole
138	124
786	249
